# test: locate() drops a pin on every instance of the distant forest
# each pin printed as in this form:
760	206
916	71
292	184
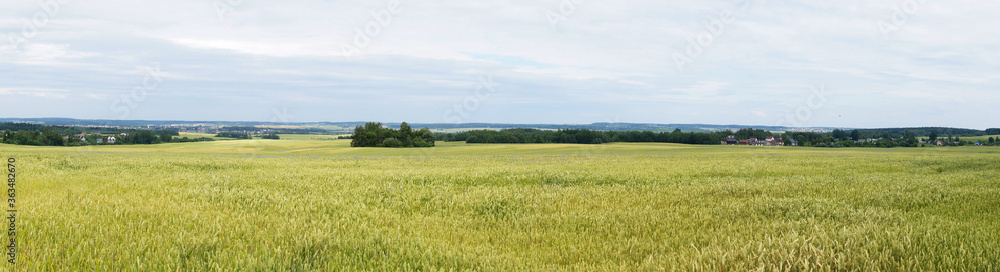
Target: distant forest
40	135
837	138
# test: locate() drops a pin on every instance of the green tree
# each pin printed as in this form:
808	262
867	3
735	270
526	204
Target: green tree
855	135
991	141
934	136
392	142
166	137
839	134
909	140
141	137
405	134
51	138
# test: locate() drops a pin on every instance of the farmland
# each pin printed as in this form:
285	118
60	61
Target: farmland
305	204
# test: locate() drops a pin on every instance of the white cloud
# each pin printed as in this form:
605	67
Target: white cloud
614	57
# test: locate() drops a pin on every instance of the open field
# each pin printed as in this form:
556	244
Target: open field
304	205
980	138
193	135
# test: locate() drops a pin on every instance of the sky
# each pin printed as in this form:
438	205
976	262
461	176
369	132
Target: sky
851	63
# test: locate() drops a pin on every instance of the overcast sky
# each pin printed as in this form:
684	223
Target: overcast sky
852	63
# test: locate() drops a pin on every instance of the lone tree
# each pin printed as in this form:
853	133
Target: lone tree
934	136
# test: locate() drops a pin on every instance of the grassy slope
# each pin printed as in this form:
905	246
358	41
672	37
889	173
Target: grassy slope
298	204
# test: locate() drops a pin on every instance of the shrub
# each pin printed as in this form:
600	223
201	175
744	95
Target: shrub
392	142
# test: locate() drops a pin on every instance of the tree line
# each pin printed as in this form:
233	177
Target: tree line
234	135
49	137
835	138
373	134
585	136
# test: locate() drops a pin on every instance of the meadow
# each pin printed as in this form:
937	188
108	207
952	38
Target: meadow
300	204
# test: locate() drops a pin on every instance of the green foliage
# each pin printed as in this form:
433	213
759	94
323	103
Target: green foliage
140	137
166	137
234	135
271	136
584	136
189	140
372	134
391	142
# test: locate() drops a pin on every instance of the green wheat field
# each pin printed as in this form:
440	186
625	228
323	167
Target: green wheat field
307	204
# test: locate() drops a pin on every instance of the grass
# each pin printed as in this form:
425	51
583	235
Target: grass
193	135
309	205
979	138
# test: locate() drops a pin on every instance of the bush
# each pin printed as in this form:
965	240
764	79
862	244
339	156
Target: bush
392	142
420	143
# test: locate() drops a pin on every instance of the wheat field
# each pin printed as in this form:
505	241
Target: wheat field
311	205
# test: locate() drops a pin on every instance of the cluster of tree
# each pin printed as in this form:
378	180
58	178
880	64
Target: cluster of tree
48	137
922	131
374	135
271	136
234	135
993	131
255	130
842	138
65	130
585	136
188	140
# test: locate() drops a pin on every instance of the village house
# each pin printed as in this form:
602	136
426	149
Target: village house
731	140
111	139
769	141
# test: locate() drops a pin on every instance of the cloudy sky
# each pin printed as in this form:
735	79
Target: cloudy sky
852	63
